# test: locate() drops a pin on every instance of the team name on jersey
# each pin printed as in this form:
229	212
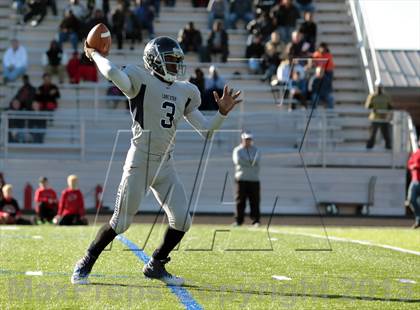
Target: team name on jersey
169	97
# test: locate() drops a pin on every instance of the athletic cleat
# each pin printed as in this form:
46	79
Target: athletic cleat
155	269
82	270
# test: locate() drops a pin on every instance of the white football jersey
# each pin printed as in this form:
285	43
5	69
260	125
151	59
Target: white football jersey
157	107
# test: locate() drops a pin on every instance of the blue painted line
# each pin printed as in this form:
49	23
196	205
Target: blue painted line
180	292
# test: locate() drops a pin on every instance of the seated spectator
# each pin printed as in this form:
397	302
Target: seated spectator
19	7
115	96
285	15
46	201
323	57
261	25
308	30
199	81
200	3
16	125
285	69
218	10
69	30
297	48
47	94
144	12
15	62
26	93
297	90
53	6
87	69
71	208
36	8
240	10
79	10
270	62
217	43
54	61
305	6
37	124
9	208
189	38
276	42
73	68
320	89
213	83
97	17
254	53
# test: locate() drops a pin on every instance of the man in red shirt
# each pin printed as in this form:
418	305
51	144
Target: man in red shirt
71	209
46	201
414	189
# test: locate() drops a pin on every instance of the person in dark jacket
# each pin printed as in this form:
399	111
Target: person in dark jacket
54	61
320	89
37	124
254	53
240	10
308	29
285	16
217	42
199	81
37	8
190	38
69	30
26	93
47	94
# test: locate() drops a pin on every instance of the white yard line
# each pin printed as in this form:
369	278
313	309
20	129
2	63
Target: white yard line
340	239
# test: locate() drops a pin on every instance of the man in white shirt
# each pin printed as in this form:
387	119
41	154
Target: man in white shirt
15	62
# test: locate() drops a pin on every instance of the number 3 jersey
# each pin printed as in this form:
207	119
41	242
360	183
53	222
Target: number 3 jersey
156	108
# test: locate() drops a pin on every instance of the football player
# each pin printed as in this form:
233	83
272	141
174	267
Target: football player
158	100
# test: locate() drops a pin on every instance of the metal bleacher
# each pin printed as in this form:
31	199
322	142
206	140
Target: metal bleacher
82	133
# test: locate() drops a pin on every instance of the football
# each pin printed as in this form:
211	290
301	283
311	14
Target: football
99	38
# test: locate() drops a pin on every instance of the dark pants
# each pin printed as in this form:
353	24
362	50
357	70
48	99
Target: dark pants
46	213
413	196
72	219
247	190
385	129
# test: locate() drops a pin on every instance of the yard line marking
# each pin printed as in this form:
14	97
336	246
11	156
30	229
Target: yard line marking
281	278
9	228
33	273
183	295
407	281
362	242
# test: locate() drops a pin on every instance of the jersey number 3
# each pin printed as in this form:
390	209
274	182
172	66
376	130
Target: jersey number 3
169	108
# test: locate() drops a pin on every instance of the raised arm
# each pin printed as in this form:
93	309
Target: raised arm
226	103
110	71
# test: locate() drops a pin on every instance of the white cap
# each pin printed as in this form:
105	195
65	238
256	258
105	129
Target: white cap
247	135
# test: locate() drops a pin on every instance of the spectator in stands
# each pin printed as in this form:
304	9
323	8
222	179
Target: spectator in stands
115	96
125	26
217	43
190	39
285	70
200	3
15	62
413	166
323	57
380	104
285	15
276	43
87	69
26	93
73	68
54	61
47	94
270	62
36	8
46	201
9	208
254	53
213	83
297	48
71	208
308	30
53	6
78	10
37	124
218	10
297	90
199	81
246	158
97	17
240	10
16	125
320	89
69	30
19	6
144	12
261	25
305	6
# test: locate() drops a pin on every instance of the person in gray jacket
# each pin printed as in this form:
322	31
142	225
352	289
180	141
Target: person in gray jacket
246	158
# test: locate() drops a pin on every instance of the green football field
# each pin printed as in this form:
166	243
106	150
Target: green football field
234	268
